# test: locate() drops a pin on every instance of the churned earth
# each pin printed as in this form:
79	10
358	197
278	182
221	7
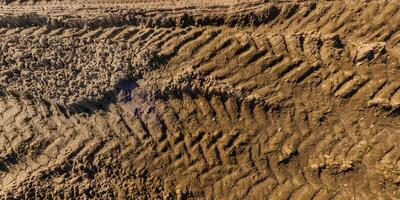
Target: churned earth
128	99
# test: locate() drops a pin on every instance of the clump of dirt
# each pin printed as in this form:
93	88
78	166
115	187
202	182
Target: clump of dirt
197	82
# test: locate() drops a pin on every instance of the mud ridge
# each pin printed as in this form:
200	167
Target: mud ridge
142	18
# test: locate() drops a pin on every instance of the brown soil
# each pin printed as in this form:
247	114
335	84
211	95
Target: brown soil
198	100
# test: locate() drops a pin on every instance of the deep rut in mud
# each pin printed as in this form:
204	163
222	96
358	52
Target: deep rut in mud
189	100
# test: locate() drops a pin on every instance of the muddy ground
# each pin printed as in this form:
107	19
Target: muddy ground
199	100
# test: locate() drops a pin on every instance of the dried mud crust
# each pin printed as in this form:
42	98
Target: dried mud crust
275	100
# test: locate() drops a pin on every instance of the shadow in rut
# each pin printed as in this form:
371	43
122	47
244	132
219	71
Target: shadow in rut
121	93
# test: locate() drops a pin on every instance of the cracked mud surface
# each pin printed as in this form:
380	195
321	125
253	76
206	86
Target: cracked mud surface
198	100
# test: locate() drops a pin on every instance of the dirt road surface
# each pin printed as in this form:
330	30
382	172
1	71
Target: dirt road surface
221	99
